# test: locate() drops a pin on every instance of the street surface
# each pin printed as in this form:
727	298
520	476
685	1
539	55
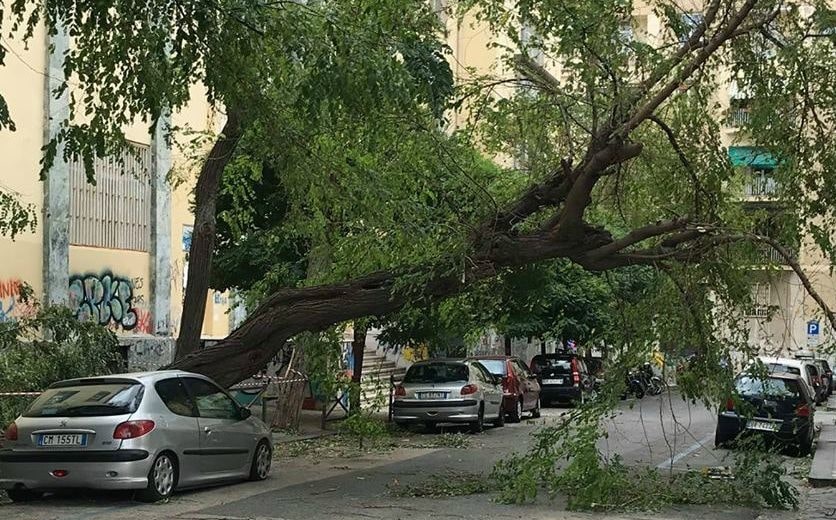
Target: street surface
662	432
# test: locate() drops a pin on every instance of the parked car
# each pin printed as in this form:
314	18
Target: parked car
563	378
808	372
521	391
779	406
155	432
828	375
448	391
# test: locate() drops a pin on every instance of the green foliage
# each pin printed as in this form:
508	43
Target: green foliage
48	347
364	426
15	216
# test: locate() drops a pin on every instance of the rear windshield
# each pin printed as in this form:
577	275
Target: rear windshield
494	366
560	365
776	367
88	399
436	373
768	387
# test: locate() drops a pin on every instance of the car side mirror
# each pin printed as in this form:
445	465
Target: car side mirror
245	413
497	380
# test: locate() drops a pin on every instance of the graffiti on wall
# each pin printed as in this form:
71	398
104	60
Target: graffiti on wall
105	298
11	304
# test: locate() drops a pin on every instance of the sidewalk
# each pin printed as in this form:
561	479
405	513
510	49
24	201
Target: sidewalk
823	469
309	428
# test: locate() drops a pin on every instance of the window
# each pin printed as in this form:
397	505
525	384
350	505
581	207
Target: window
436	373
173	394
211	401
759	307
690	23
521	369
775	388
75	399
494	366
482	373
115	213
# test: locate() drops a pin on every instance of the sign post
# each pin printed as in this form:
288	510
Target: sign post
813	332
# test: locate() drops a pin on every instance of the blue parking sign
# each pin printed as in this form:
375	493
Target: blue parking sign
813	328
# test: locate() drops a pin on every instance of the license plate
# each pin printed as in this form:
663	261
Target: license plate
765	426
63	439
432	395
552	381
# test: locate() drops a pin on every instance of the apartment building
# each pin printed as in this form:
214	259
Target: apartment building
116	251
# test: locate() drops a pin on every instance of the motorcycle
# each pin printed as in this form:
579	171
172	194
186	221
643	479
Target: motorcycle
651	381
634	385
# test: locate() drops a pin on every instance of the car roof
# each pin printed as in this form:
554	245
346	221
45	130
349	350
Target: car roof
774	375
143	377
440	360
784	361
494	357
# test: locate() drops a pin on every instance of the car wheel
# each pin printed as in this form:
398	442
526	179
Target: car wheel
431	426
23	495
516	415
535	413
161	479
478	425
805	445
262	460
499	422
722	440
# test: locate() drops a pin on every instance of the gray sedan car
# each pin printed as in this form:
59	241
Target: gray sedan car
448	391
154	432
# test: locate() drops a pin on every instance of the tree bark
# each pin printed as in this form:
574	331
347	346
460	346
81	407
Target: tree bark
203	235
358	349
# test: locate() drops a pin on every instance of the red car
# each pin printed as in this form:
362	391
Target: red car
521	391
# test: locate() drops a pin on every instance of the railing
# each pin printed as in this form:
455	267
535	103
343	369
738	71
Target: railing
760	185
768	254
738	117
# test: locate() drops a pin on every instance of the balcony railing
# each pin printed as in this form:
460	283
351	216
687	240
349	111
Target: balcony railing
738	117
767	254
761	185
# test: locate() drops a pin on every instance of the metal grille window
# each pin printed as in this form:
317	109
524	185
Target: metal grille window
115	213
761	298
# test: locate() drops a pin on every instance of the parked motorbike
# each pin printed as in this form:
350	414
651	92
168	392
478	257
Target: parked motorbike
634	385
652	383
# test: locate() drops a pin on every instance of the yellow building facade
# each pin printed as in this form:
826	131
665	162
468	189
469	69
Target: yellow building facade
115	252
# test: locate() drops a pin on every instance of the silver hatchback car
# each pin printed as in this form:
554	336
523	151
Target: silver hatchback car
445	391
154	432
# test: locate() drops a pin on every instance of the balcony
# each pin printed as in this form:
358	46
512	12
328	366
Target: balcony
737	117
764	254
760	184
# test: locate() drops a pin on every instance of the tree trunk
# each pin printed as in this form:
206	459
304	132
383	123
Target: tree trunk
203	235
358	349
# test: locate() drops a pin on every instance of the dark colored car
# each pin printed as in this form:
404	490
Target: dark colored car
563	378
826	375
519	385
778	406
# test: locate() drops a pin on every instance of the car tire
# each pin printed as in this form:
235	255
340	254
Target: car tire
722	440
162	479
431	427
805	445
262	460
499	422
23	495
535	412
478	425
516	415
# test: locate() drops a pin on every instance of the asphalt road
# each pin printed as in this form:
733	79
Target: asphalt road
663	432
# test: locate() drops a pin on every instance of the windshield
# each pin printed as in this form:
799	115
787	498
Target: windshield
495	366
561	365
769	387
88	399
436	373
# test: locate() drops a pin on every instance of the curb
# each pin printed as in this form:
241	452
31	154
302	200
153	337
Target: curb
823	469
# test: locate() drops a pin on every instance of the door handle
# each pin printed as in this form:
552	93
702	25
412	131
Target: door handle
207	430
